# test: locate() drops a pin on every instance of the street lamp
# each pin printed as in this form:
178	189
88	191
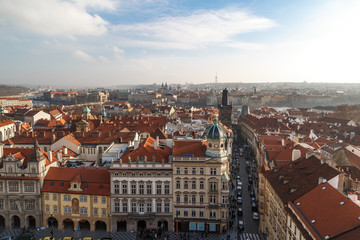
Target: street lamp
52	226
110	227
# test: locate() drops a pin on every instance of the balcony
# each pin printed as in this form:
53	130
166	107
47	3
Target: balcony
213	205
142	215
213	190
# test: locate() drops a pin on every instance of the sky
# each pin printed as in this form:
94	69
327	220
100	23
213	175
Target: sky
101	43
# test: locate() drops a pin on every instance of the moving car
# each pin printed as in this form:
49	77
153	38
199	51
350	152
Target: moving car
241	225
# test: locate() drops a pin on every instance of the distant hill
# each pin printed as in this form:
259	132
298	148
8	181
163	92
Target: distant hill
12	90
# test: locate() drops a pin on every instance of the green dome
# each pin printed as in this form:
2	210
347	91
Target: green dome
215	131
86	110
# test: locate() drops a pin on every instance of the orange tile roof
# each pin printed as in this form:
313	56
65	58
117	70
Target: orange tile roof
146	149
5	121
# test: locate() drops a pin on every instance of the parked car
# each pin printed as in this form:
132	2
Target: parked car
252	194
239	183
254	207
241	225
48	238
239	199
238	187
86	238
239	193
67	238
240	211
255	215
253	200
7	237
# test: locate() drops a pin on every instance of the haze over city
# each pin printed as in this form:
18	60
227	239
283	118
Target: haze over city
105	43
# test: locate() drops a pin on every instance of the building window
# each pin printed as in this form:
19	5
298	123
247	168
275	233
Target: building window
225	199
213	186
186	199
141	189
193	171
201	213
167	189
133	188
1	187
125	207
117	188
222	214
213	214
186	171
47	196
177	170
141	207
178	212
193	185
186	184
213	199
212	171
148	189
185	212
202	171
67	209
158	189
117	207
83	210
201	198
225	186
67	198
2	204
83	198
193	198
133	207
103	200
13	186
47	208
124	188
29	187
193	213
95	199
167	207
55	208
201	184
177	184
55	197
158	207
148	207
178	198
96	211
103	212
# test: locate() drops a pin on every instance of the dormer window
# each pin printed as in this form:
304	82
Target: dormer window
75	186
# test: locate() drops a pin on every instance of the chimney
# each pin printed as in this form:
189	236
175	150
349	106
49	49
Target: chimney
65	151
156	143
50	156
320	180
282	142
53	138
136	144
352	135
296	154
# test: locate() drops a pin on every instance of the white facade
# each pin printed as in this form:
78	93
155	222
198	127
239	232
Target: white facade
7	131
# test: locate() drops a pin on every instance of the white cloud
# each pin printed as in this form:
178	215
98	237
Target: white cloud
55	17
196	30
104	59
81	55
117	50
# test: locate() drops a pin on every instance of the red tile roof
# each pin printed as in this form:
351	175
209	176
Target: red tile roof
332	211
197	148
94	181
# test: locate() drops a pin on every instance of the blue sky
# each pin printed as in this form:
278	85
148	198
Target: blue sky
109	42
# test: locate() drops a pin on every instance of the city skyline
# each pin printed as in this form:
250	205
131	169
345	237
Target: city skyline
106	43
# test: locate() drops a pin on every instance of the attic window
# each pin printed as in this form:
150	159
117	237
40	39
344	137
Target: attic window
298	203
62	184
342	203
323	188
75	186
313	221
101	187
51	183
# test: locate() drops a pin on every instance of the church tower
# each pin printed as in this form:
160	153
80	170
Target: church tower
225	109
216	141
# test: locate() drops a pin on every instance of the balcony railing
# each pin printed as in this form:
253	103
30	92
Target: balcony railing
141	215
213	205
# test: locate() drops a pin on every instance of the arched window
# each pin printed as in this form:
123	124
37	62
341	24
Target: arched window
33	169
